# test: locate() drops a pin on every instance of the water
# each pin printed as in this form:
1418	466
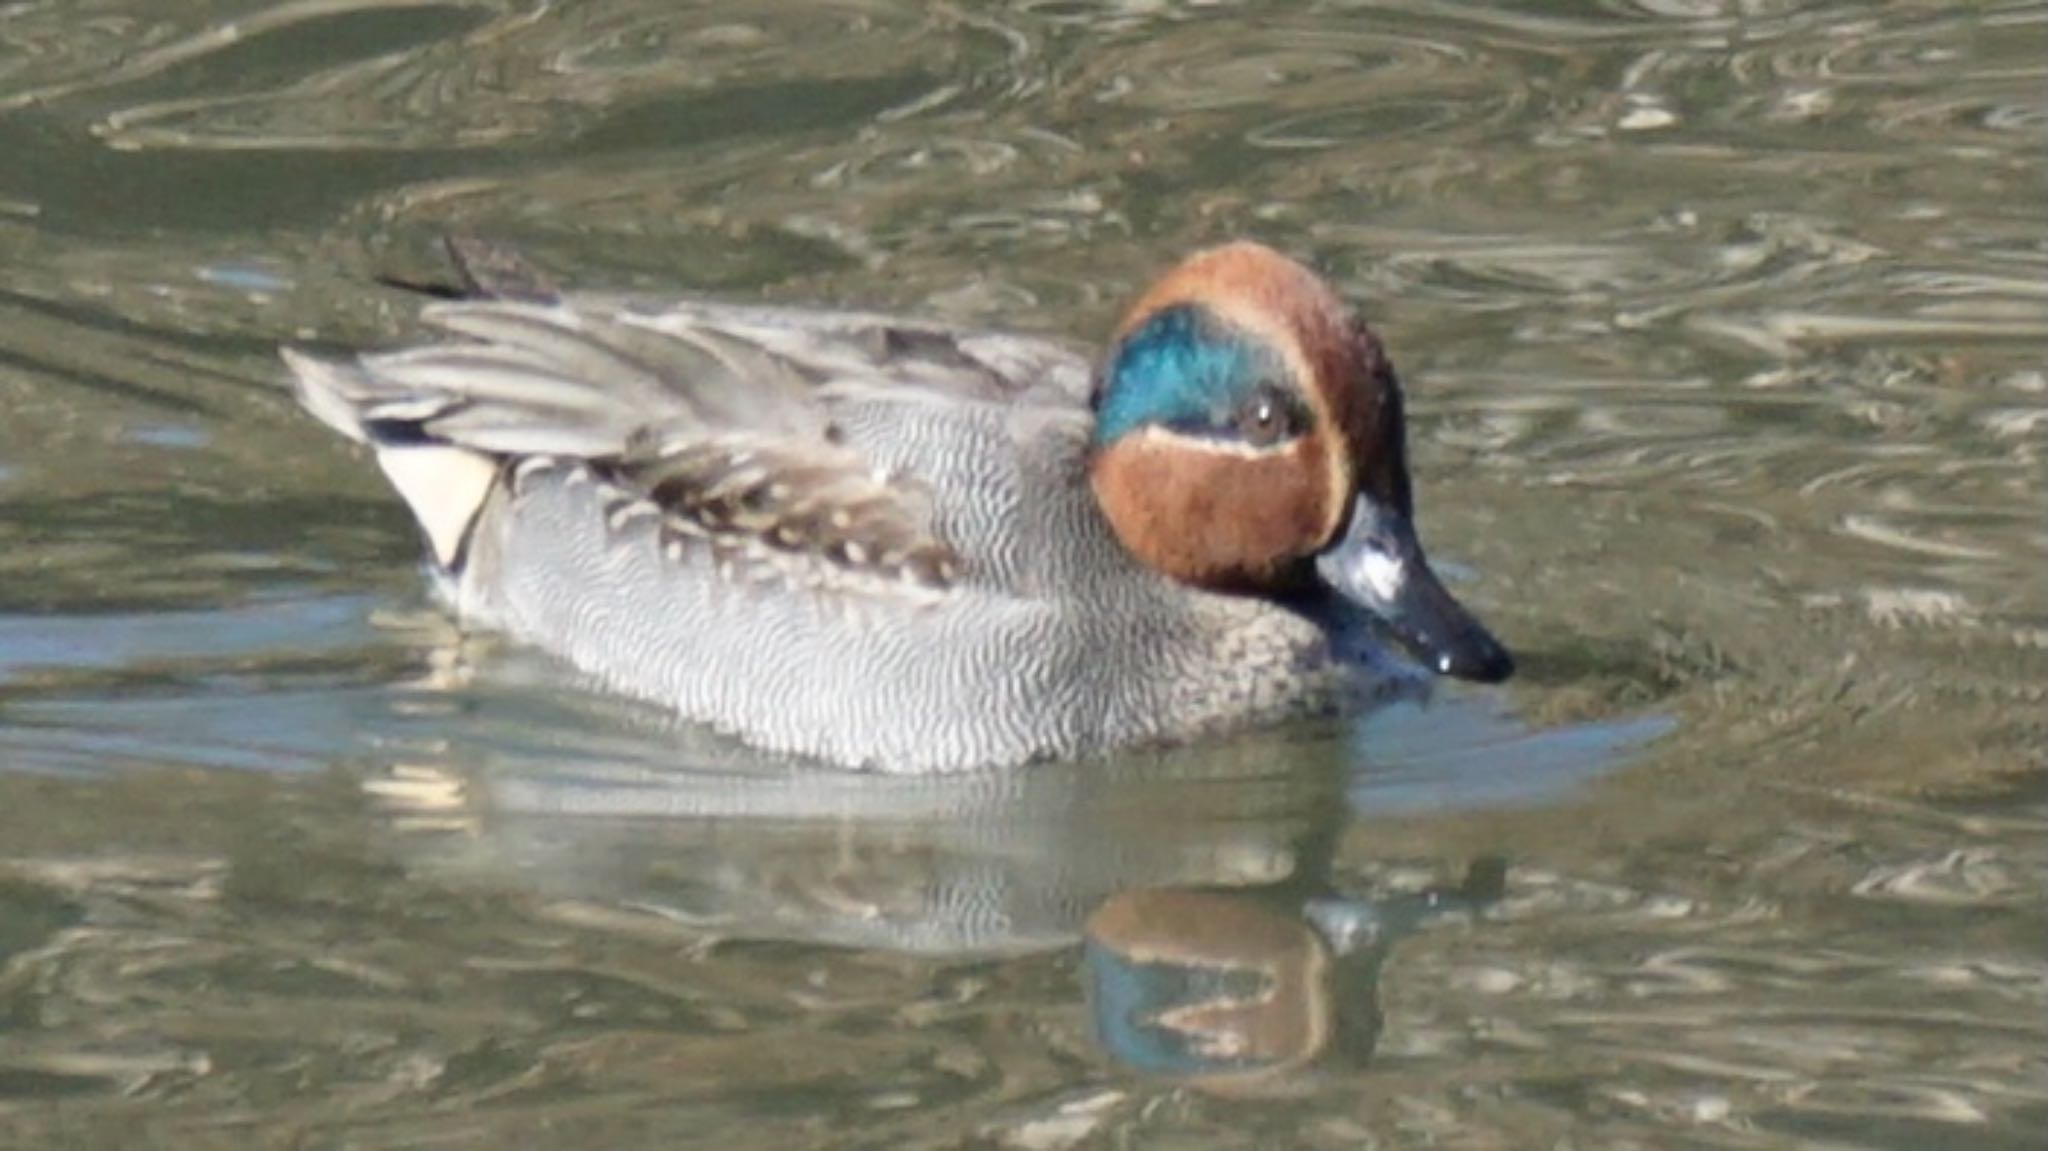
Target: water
1726	331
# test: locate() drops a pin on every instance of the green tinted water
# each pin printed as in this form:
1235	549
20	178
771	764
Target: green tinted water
1726	332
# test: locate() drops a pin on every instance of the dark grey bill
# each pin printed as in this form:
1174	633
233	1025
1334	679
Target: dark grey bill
1378	564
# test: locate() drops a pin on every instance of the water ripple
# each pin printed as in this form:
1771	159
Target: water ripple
1722	324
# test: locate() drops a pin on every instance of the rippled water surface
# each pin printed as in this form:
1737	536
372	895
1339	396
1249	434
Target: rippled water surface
1725	324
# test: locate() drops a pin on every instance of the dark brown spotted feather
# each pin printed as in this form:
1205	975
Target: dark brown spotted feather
807	507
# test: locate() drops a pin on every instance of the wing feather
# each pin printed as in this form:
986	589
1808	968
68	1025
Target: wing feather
720	416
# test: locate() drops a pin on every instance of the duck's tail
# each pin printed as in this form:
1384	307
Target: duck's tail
445	486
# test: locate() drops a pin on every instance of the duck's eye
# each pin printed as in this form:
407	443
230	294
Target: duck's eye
1269	416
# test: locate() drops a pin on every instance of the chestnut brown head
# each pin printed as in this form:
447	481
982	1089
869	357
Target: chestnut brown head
1249	438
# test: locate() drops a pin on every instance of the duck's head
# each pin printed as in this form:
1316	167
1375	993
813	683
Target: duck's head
1248	437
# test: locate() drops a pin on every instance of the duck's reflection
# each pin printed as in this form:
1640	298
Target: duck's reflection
1216	948
982	864
1241	991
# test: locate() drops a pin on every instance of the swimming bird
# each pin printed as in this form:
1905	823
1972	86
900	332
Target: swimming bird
908	546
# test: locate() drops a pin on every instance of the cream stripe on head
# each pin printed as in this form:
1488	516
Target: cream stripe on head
1287	308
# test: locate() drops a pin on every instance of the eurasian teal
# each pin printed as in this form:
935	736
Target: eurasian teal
902	545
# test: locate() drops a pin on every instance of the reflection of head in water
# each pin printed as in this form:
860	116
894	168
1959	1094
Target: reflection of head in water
1241	992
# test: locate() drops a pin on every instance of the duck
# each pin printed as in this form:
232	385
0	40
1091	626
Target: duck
907	546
